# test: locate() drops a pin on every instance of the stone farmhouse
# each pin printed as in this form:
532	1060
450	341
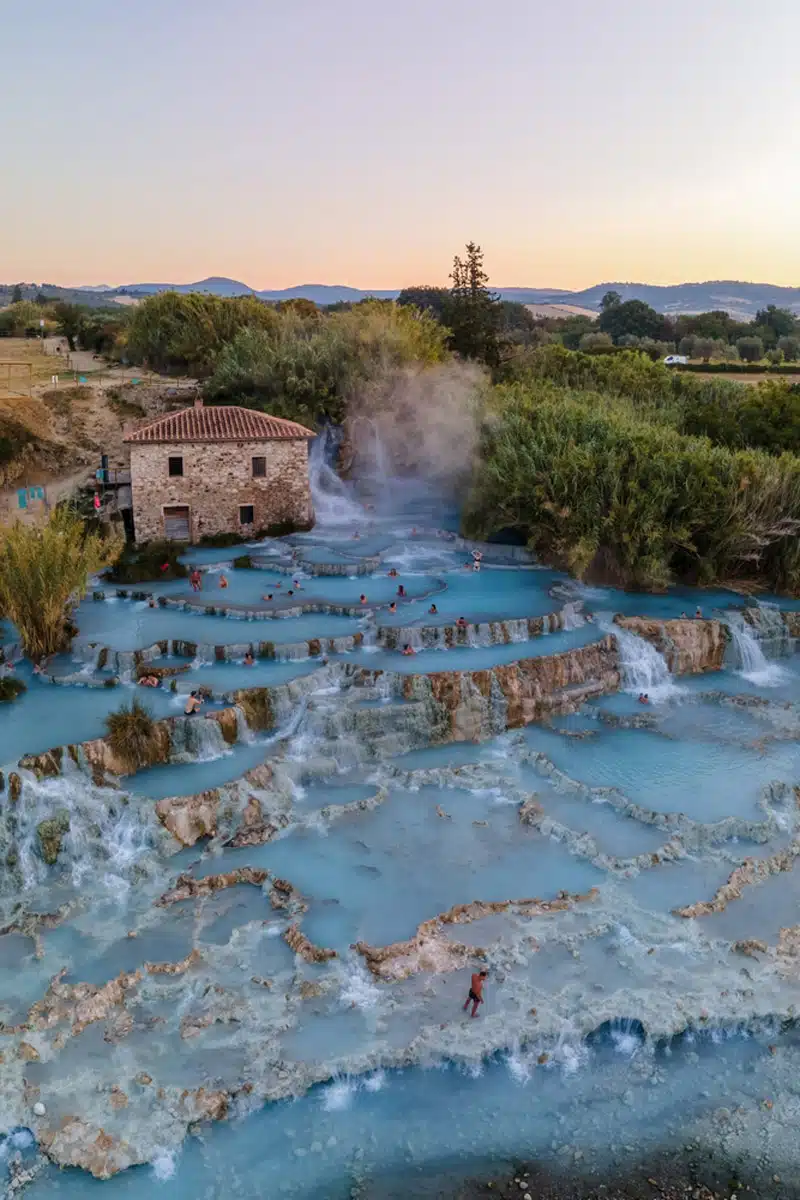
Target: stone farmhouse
220	469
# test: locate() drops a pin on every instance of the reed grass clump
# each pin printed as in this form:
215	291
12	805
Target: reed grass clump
44	572
617	497
131	734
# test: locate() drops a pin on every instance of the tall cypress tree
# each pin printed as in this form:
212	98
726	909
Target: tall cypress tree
473	312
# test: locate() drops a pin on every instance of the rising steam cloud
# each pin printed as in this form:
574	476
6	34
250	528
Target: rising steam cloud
418	423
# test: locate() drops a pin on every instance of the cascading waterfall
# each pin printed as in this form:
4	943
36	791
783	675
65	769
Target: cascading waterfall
93	832
772	631
644	670
749	658
572	616
333	503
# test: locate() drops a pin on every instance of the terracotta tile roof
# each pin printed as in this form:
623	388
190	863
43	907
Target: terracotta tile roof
222	423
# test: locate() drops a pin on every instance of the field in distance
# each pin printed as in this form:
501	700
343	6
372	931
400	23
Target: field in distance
561	310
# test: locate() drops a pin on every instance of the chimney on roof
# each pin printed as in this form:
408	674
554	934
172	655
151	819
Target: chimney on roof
198	401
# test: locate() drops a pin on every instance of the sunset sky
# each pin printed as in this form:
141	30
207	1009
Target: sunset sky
363	142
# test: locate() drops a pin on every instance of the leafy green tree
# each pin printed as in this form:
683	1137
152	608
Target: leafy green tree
20	319
704	348
70	319
103	331
781	321
16	295
41	299
610	300
715	324
775	357
186	332
592	342
427	299
632	316
472	313
307	370
791	348
687	345
751	349
299	305
570	330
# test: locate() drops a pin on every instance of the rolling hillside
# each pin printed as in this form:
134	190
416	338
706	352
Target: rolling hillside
741	300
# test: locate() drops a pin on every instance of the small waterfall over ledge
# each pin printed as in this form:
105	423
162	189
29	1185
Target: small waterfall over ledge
758	637
643	668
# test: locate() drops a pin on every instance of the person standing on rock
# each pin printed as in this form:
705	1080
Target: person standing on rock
475	995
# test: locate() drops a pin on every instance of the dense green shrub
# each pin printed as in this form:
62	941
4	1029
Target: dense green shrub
140	564
606	494
10	689
186	332
766	416
740	368
306	369
222	540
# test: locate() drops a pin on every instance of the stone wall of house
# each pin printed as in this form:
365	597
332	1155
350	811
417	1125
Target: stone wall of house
217	480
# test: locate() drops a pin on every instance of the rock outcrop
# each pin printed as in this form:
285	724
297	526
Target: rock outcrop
474	704
189	818
297	941
752	870
80	1004
430	949
78	1144
689	646
189	888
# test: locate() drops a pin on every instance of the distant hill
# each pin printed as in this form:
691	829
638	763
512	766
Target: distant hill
741	300
217	285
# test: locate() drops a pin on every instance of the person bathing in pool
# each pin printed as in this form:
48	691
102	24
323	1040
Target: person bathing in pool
475	995
193	704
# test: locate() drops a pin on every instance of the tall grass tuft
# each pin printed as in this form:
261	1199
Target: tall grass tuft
44	571
130	732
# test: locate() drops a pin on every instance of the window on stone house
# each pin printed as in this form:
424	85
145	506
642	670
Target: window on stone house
246	515
259	467
176	464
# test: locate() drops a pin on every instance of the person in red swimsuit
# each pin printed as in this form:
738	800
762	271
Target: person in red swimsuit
475	996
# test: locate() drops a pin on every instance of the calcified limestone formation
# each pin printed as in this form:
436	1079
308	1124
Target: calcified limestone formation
242	981
430	949
297	941
792	622
488	633
80	1004
246	812
470	704
689	646
78	1144
752	871
189	888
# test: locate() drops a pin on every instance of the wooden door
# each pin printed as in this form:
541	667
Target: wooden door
176	523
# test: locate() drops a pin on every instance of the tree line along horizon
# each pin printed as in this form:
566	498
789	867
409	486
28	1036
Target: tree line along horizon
482	325
603	460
